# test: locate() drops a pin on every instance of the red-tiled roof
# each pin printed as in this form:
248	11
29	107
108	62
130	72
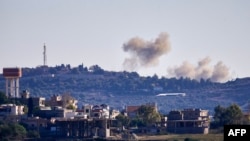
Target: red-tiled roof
132	108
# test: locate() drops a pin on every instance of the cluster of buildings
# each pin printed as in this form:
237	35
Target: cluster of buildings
193	121
59	116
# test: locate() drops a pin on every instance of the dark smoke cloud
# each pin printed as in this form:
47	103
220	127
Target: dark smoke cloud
145	53
216	73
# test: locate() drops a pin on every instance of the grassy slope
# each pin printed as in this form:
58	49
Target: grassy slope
179	137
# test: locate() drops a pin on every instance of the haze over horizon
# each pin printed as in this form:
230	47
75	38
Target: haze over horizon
196	39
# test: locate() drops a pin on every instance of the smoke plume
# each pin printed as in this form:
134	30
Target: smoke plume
203	70
145	53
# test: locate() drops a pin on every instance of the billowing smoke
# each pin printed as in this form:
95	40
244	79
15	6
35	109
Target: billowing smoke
145	53
216	73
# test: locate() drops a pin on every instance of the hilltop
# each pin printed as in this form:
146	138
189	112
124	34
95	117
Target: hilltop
95	85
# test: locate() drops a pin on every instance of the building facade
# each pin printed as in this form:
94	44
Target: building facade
194	121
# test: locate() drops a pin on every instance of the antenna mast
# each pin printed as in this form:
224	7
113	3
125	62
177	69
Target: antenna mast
44	56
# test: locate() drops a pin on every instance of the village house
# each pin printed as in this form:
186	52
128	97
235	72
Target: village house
11	110
188	121
131	110
64	101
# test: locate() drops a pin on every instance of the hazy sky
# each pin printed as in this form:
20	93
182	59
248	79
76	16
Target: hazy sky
190	38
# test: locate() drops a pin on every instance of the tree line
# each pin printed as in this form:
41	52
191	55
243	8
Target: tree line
43	80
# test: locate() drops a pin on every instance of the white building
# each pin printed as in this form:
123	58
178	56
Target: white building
101	111
11	109
114	114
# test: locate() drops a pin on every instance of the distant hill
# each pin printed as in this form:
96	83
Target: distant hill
94	85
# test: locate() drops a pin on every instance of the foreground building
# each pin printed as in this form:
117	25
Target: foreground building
195	121
82	128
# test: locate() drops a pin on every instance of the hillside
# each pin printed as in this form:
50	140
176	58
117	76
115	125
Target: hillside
94	85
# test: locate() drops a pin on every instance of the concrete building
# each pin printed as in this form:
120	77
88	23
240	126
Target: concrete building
38	101
85	111
25	94
11	109
82	128
188	121
96	111
35	122
131	111
64	101
100	111
55	112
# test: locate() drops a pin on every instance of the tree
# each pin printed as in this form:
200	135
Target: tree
123	120
96	69
71	107
26	109
18	130
5	131
33	134
148	115
226	116
3	98
234	114
12	130
219	113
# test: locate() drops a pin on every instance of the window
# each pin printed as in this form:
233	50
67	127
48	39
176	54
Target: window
87	111
96	115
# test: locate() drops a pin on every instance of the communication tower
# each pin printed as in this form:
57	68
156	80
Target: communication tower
12	76
44	55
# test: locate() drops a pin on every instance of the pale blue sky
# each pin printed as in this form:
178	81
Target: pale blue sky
94	31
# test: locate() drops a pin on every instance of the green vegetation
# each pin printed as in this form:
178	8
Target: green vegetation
228	116
84	83
12	131
146	116
63	78
60	79
122	120
71	107
3	98
185	137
